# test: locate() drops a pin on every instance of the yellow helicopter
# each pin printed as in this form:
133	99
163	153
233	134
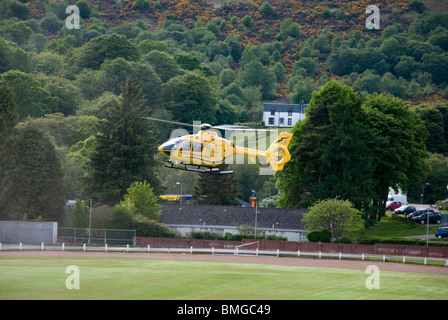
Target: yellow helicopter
206	150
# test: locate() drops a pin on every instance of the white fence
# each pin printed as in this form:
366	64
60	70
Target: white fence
219	251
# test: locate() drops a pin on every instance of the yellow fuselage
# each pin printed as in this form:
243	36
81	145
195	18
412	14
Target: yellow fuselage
207	148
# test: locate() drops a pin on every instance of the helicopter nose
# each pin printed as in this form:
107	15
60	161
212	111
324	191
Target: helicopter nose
165	150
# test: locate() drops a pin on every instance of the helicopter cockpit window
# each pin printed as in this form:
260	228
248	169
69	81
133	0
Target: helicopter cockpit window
176	144
197	147
186	146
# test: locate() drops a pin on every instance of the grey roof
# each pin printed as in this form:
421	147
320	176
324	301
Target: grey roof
284	107
219	215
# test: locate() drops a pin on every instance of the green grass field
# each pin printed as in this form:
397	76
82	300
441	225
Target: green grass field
103	278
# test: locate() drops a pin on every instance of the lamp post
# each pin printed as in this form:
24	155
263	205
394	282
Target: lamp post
423	191
180	191
90	219
427	228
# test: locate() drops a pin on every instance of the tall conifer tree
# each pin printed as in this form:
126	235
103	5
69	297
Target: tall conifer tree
124	149
216	188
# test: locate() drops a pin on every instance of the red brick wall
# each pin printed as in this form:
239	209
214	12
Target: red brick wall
379	248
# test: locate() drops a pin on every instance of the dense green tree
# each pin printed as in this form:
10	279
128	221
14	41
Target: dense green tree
436	65
266	9
51	23
397	146
303	90
164	64
124	149
84	9
342	60
190	97
19	32
141	200
406	66
434	121
31	177
187	61
433	186
289	28
391	48
338	216
80	214
310	65
439	37
255	74
115	72
69	96
31	99
109	46
330	156
235	47
8	116
14	8
216	188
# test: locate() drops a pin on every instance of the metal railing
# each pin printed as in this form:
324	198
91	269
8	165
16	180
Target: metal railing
113	237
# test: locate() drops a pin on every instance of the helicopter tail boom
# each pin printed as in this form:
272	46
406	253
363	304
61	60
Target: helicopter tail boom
276	155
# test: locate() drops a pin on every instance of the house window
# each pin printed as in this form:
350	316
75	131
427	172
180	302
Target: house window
289	112
272	111
282	121
271	121
289	122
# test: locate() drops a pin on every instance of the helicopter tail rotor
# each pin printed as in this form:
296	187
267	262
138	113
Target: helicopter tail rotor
278	153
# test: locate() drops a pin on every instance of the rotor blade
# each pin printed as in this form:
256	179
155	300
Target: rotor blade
238	128
173	122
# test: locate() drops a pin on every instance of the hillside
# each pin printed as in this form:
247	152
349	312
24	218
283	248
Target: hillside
213	61
321	20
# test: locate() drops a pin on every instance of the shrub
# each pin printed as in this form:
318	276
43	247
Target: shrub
322	235
313	236
266	9
146	227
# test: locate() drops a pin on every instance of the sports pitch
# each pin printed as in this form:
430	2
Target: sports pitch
34	277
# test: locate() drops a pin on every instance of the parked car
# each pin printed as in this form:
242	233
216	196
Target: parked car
442	232
419	212
394	205
434	217
405	210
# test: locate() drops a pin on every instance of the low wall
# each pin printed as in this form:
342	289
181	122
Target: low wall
185	243
379	248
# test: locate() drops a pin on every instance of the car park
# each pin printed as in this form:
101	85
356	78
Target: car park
431	217
419	212
394	205
442	232
405	210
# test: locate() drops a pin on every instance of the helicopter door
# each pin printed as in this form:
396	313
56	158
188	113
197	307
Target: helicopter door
184	152
197	153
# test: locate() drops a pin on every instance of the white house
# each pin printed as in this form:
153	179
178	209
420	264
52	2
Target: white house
221	219
283	114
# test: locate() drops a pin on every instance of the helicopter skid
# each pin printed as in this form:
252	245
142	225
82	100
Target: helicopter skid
197	168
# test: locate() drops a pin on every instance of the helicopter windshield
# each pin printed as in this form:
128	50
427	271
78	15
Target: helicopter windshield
170	145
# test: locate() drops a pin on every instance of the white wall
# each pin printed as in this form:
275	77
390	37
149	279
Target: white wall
291	235
296	116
